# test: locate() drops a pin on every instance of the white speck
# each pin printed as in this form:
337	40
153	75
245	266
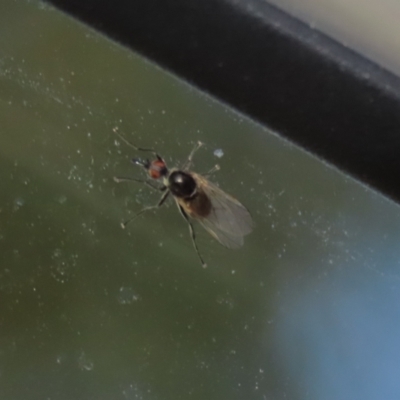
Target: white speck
218	153
62	199
18	203
84	363
127	295
57	253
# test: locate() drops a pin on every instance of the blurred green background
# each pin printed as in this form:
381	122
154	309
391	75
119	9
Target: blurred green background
307	309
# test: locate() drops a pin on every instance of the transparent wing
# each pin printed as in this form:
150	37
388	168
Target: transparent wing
226	239
228	220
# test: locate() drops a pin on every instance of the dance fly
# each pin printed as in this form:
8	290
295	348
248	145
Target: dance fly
198	199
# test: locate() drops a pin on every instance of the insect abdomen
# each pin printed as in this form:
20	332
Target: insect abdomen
197	207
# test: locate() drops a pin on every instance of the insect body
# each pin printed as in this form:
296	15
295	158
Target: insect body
224	217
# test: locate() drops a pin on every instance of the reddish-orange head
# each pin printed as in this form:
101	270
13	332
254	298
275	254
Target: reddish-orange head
156	168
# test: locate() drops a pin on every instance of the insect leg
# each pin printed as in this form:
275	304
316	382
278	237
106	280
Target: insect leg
115	130
188	162
159	204
146	182
215	168
192	235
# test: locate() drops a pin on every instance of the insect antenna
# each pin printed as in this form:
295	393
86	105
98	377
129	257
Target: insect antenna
115	130
150	184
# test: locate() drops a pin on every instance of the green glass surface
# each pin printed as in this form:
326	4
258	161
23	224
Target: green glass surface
307	309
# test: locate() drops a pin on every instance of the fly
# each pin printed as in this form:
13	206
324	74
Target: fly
224	217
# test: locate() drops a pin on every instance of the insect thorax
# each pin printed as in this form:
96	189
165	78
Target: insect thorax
181	184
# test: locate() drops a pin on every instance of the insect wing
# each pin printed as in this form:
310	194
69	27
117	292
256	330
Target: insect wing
228	220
